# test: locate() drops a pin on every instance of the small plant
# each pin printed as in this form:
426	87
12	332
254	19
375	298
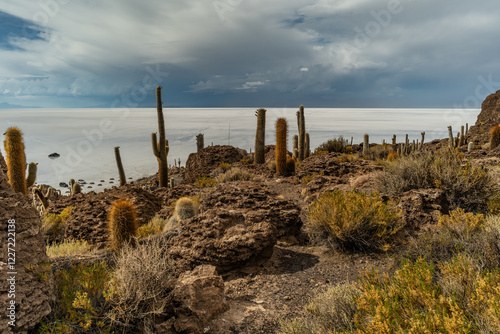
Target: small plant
54	225
155	226
338	145
234	174
354	220
69	248
224	166
122	224
392	156
306	179
205	182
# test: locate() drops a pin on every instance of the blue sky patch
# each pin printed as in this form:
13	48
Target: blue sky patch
16	27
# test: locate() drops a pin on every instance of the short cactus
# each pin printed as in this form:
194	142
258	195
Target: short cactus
281	151
76	188
260	137
290	167
32	167
494	136
366	144
200	143
185	208
16	159
122	224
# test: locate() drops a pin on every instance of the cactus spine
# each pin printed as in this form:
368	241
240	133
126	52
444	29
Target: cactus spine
260	137
121	172
302	132
366	144
16	159
122	224
160	148
308	148
200	143
31	174
281	151
296	147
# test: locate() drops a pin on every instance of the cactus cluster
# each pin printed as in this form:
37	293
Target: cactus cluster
259	155
160	148
122	224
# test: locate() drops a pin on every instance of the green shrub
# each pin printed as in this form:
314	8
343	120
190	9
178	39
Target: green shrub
458	233
154	226
205	182
224	166
80	302
354	220
339	145
54	225
465	186
378	152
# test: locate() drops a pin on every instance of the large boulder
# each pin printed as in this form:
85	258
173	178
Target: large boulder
239	223
198	297
26	283
487	118
88	220
203	162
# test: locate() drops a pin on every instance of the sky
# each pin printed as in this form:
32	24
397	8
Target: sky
249	53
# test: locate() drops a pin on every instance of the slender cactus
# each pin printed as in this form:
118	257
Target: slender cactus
462	136
394	139
302	133
466	128
200	142
281	151
296	147
308	148
450	135
422	143
260	136
121	172
160	148
366	144
30	180
16	159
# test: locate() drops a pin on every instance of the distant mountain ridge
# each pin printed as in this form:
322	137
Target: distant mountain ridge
5	105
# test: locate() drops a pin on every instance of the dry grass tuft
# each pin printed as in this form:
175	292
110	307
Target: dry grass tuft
69	248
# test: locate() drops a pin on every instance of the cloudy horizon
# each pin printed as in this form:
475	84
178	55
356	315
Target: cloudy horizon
241	53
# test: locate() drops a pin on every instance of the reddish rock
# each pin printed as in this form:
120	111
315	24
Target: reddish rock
487	118
32	288
202	163
198	297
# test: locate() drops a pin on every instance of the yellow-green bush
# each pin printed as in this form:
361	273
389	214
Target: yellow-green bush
204	182
339	145
224	166
154	226
80	303
53	225
459	232
68	248
354	220
234	174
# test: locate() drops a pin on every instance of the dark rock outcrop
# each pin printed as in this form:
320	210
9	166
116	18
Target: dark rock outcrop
487	118
31	289
422	206
203	162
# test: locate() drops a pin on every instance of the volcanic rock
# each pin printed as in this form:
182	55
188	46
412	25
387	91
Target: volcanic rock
31	287
202	163
422	206
487	118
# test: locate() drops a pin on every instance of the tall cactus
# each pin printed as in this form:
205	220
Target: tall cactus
121	172
393	139
308	147
200	143
450	135
281	151
423	138
260	137
366	144
16	159
30	180
462	136
296	147
302	132
122	224
160	148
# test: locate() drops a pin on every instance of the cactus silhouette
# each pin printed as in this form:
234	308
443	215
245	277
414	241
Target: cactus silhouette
76	188
122	224
494	136
160	148
260	137
30	180
16	159
302	132
121	172
308	148
281	151
200	142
